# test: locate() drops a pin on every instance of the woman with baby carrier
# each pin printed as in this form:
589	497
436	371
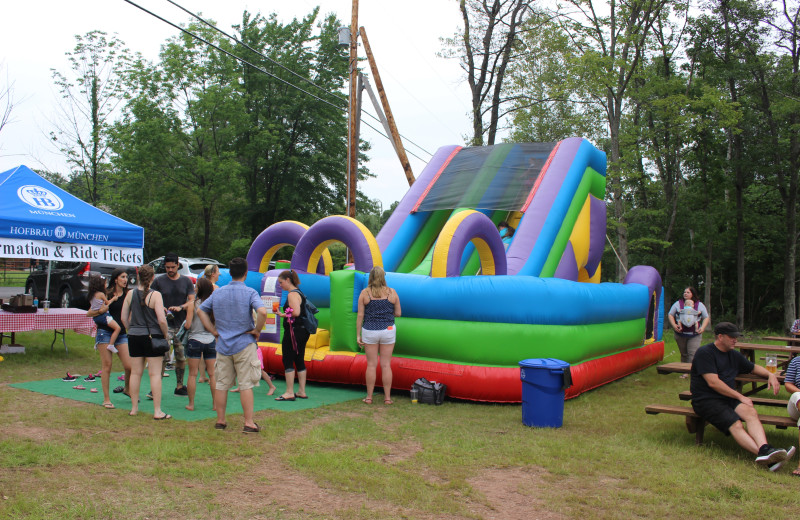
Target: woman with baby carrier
689	318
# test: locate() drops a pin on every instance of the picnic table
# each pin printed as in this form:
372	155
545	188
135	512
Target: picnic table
741	379
695	424
793	341
57	320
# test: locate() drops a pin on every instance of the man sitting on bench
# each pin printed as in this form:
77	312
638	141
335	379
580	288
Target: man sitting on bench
715	399
792	384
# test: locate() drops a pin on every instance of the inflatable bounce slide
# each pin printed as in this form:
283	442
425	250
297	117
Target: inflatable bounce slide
474	306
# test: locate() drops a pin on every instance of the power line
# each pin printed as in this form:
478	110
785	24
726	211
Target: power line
242	60
231	54
299	76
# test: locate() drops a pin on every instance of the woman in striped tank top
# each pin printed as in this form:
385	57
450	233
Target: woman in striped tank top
378	306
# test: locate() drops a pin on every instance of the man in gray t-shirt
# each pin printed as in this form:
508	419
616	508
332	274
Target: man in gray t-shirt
177	291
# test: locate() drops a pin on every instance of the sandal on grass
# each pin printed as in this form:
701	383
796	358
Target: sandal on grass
110	406
388	401
367	400
796	473
165	416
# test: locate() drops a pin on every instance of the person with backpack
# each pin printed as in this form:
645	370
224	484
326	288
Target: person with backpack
689	318
295	336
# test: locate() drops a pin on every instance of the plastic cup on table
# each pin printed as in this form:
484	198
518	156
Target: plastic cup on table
45	305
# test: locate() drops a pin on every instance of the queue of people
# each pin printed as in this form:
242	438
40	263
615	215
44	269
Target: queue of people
223	326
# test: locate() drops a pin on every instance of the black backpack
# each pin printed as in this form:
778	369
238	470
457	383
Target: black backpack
307	318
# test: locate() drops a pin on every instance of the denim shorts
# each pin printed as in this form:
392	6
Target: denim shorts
195	349
104	336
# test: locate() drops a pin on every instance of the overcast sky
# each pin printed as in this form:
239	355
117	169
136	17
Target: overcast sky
429	99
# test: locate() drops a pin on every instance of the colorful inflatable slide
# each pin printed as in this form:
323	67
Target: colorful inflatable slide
473	309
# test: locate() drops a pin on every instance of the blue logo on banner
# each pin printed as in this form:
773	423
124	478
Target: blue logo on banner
60	232
40	198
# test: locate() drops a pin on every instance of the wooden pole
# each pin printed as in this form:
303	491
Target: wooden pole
398	143
352	137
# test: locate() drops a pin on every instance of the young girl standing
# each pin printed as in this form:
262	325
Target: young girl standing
97	295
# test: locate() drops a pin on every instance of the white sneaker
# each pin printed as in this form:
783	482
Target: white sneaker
772	456
779	464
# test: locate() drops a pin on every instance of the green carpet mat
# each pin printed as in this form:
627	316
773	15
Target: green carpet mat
319	394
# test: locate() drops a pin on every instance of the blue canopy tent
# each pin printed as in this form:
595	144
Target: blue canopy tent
39	220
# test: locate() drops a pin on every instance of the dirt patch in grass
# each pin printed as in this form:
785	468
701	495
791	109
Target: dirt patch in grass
284	490
510	493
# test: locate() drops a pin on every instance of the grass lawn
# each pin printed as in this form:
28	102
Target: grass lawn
65	459
9	278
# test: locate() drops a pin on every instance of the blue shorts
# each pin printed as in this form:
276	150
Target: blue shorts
104	336
196	350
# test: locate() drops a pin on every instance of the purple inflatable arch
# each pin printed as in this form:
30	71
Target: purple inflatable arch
338	228
278	235
460	230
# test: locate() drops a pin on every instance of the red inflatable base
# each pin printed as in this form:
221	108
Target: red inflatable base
471	382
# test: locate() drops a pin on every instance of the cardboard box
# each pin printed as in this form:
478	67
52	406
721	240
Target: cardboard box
12	349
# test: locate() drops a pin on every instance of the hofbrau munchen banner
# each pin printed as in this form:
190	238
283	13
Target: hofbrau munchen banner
39	220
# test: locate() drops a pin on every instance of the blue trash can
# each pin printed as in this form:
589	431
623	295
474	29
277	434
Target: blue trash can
543	385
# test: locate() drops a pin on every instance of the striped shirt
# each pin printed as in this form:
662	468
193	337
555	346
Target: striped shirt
793	372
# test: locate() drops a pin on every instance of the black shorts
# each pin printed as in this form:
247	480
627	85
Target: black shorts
719	412
140	346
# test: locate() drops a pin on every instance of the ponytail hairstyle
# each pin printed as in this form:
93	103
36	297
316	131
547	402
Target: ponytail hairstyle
377	281
209	270
291	276
145	279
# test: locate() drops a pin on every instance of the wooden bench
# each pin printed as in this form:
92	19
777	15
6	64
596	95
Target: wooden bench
697	425
687	396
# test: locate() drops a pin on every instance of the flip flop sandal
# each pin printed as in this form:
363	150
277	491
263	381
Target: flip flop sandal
119	389
281	398
165	416
79	387
220	426
367	400
248	429
301	396
796	473
388	401
110	406
93	390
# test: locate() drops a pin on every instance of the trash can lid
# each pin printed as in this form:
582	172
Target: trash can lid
543	363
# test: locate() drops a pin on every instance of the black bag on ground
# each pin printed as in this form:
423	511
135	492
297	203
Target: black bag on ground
429	392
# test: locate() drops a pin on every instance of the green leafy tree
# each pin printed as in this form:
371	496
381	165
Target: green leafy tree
91	92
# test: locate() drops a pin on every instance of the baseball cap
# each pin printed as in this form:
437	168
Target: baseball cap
727	328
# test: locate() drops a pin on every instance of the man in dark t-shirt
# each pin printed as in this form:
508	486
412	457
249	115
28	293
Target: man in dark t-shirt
177	291
715	398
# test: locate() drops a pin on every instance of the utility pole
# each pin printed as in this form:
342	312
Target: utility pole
352	135
395	135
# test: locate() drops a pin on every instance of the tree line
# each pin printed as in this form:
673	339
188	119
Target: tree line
696	106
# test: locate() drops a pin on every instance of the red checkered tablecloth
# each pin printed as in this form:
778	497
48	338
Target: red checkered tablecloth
75	319
17	321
